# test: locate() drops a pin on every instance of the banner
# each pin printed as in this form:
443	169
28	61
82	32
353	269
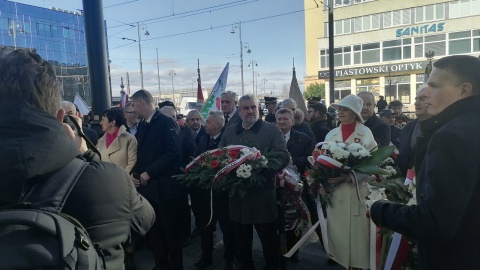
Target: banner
213	102
81	104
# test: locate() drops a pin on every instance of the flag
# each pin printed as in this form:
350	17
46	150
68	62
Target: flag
296	94
199	88
123	99
81	104
213	101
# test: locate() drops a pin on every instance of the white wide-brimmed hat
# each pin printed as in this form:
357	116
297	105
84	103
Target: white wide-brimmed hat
353	102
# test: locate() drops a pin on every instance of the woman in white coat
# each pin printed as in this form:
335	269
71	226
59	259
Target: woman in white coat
117	145
347	223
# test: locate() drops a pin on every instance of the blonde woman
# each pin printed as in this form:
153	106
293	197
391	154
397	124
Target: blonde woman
347	223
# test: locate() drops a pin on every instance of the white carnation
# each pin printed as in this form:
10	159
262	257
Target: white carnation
391	171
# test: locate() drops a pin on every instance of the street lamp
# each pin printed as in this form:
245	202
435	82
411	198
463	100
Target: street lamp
14	27
143	27
264	81
254	64
172	73
239	26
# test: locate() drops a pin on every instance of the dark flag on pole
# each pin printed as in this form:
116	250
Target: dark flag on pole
199	88
295	92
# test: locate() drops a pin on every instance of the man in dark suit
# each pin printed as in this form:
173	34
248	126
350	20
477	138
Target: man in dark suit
221	213
299	146
272	107
258	207
187	150
229	108
410	133
299	124
445	220
380	130
194	121
158	158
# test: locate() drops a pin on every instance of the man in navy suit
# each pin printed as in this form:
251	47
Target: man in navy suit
158	158
209	141
229	108
195	122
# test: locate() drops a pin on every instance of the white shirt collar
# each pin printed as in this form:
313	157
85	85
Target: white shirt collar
232	113
287	136
150	118
216	136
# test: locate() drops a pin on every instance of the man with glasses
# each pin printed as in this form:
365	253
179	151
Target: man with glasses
195	123
380	130
131	119
317	113
229	108
258	207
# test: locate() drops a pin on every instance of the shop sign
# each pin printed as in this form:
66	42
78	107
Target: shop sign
420	29
372	70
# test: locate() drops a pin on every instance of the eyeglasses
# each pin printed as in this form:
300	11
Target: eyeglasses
309	111
246	108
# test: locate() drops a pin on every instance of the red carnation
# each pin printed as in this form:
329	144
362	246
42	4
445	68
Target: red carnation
217	153
214	164
233	154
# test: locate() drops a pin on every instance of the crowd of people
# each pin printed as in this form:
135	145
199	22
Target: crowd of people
132	194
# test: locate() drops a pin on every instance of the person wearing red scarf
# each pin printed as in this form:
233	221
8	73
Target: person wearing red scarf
117	145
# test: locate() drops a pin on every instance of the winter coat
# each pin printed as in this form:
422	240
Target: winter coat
122	151
34	146
347	222
300	146
159	154
259	204
445	220
380	130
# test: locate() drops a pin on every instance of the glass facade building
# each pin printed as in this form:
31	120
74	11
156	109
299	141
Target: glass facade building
56	35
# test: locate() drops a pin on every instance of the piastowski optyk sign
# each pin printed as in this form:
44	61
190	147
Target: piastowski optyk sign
373	70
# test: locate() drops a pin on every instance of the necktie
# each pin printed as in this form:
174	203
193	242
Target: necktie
212	141
226	118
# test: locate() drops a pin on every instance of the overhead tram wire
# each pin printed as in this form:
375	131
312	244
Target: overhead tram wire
195	12
229	25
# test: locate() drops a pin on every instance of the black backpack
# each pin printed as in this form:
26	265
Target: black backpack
36	235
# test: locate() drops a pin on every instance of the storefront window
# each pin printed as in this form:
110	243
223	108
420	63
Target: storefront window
342	89
369	85
397	88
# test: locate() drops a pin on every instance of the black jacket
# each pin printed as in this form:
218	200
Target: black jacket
159	154
320	129
199	135
204	143
300	146
304	127
187	145
380	130
406	157
104	200
395	136
446	219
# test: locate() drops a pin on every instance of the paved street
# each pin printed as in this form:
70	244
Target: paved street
312	256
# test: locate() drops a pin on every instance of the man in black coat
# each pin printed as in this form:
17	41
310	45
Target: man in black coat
214	128
388	116
35	145
381	104
318	116
410	133
258	207
380	130
158	158
445	222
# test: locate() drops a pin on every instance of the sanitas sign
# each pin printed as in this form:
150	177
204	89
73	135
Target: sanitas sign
372	70
420	29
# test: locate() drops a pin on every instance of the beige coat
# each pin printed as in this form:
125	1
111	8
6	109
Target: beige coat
347	223
122	151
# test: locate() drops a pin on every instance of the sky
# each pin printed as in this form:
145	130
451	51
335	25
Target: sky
186	30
